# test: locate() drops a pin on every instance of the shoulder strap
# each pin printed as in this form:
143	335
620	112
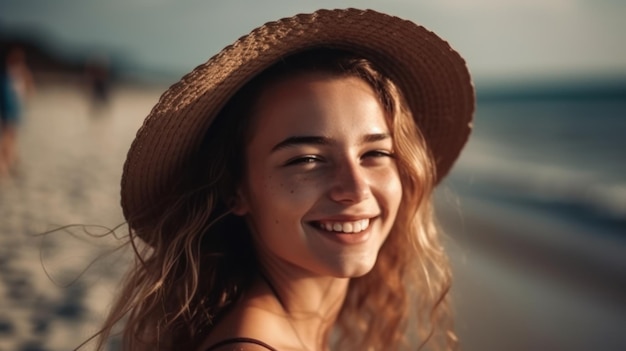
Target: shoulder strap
244	340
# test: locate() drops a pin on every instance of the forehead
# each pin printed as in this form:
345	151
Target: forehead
317	103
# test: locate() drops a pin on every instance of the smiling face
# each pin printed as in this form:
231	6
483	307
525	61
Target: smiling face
321	188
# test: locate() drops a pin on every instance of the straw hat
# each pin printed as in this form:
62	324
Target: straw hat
433	77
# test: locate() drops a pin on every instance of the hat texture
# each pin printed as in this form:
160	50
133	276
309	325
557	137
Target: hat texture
432	76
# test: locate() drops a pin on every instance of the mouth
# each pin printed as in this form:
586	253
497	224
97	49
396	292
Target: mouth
344	227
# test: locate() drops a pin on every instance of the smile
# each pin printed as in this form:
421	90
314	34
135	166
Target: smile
345	227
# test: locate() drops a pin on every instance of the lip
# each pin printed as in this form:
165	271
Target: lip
344	218
348	239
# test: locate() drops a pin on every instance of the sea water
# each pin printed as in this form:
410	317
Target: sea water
560	154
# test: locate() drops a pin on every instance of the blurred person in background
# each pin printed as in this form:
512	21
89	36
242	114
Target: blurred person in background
98	79
16	83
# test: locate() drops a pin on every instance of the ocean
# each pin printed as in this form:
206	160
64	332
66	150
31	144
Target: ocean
558	153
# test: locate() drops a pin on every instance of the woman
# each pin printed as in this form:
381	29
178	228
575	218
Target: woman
281	192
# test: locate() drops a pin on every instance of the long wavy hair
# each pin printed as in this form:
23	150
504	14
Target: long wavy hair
201	258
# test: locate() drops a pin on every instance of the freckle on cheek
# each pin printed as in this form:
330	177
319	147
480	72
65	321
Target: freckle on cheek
276	221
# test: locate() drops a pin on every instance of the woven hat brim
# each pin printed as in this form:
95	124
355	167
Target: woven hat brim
433	77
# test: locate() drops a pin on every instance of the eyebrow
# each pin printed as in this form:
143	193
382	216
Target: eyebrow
321	140
371	138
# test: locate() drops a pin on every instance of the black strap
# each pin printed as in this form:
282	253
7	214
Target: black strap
238	340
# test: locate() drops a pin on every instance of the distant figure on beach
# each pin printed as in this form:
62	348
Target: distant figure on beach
278	197
99	81
16	83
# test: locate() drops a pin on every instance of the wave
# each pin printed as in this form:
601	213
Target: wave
481	171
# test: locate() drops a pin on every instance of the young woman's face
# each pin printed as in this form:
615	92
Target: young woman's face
321	188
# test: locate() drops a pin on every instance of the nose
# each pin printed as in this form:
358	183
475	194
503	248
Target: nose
349	184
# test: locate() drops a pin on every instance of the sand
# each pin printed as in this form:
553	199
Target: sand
56	287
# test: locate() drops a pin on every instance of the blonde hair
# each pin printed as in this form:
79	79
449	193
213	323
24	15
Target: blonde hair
202	259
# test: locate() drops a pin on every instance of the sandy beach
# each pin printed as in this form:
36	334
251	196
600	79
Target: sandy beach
56	287
521	283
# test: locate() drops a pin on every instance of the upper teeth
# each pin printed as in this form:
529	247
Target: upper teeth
346	227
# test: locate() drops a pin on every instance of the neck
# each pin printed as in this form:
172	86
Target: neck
308	305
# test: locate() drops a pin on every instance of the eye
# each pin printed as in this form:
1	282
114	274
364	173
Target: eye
377	158
378	153
303	160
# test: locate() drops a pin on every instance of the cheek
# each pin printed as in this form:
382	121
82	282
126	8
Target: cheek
277	206
295	187
279	197
391	187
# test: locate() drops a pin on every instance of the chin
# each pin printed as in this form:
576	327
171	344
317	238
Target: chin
354	269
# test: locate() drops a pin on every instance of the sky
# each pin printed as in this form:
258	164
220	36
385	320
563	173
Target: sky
502	40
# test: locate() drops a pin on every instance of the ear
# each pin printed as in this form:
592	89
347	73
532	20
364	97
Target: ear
239	203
